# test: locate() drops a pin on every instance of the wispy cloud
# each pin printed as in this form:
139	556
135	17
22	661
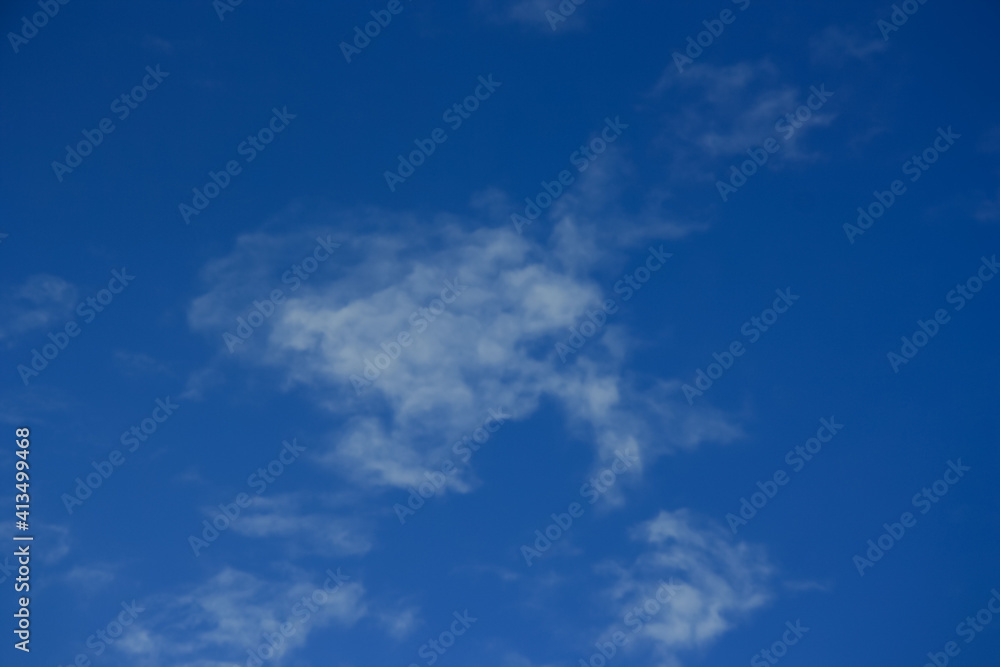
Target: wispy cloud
230	613
989	210
529	13
304	526
727	110
492	347
836	45
717	581
42	301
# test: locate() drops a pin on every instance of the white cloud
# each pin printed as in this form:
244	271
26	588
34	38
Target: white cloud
303	526
514	659
57	537
230	614
139	363
90	578
727	110
41	302
717	581
158	44
989	210
530	13
836	45
492	347
399	624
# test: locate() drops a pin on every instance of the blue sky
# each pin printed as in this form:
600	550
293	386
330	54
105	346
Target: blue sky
505	335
